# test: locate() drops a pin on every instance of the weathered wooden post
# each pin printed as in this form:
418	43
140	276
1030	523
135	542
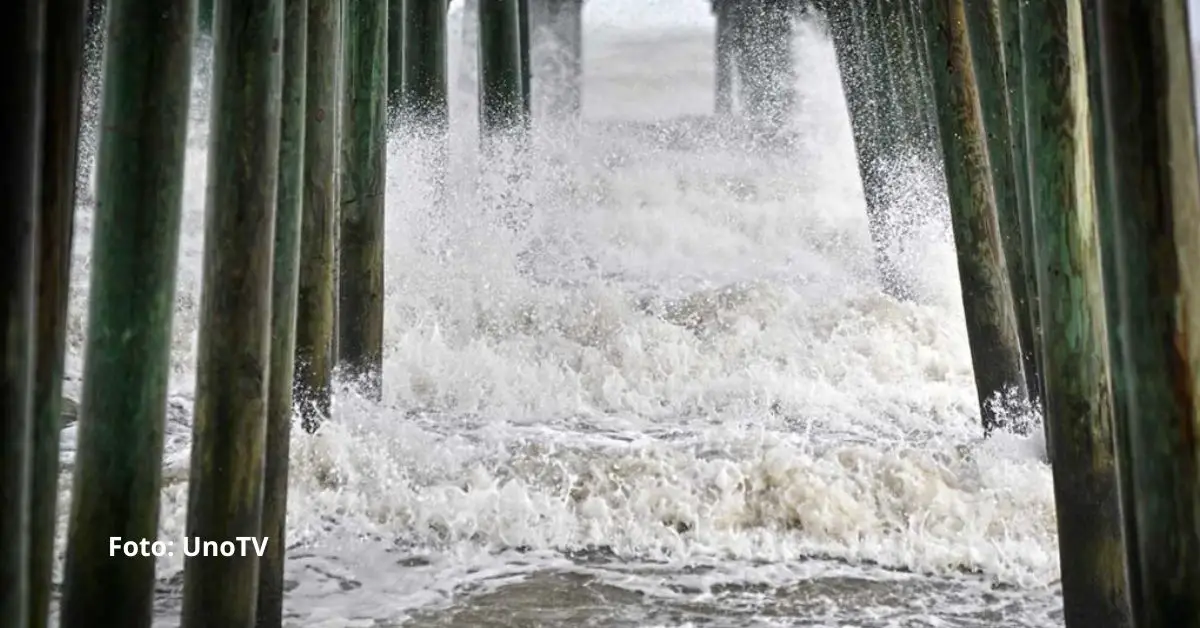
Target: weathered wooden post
232	363
983	28
315	297
903	67
397	22
851	46
1072	313
765	61
917	62
285	277
526	67
987	302
1154	293
424	74
1105	228
22	36
139	188
724	57
362	184
205	16
563	70
500	92
60	140
1010	40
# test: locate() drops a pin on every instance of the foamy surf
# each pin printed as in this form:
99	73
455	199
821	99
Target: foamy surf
675	395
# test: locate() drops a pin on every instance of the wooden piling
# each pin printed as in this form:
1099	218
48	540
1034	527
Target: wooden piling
396	42
232	362
424	70
900	40
723	58
362	184
1010	41
987	302
1106	230
1143	49
500	88
315	292
59	152
131	302
983	29
523	18
563	70
918	62
1070	296
22	36
284	279
850	46
204	19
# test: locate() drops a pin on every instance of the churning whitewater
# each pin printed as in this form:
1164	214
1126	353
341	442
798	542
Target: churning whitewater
669	392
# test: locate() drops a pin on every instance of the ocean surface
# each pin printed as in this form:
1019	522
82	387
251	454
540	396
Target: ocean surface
673	395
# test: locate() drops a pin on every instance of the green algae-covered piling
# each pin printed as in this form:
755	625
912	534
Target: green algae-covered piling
232	362
284	279
850	45
63	84
983	28
361	185
1067	256
500	88
424	71
139	188
1010	38
1106	230
1149	110
315	291
21	104
987	304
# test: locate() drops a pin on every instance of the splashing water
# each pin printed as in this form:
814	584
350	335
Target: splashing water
672	393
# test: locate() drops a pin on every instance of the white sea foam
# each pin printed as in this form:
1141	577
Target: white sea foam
683	358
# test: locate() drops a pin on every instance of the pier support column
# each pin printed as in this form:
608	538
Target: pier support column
854	68
983	27
987	302
561	73
724	59
362	184
316	288
1071	300
1152	223
22	38
60	149
423	94
284	279
225	482
135	247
